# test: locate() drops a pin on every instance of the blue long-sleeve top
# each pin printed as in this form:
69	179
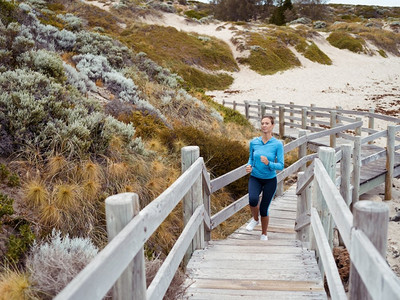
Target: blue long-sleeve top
273	150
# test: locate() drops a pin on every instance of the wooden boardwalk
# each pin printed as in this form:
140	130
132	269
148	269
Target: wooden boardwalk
243	267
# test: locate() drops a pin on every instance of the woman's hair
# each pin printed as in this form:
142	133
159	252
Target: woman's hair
269	117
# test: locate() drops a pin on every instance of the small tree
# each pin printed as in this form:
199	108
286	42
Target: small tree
278	16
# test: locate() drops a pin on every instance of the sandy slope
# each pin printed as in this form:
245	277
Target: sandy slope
353	81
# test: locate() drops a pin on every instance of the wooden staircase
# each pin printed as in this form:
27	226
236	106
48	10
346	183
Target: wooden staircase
243	267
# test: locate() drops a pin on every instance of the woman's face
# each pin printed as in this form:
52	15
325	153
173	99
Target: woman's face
266	125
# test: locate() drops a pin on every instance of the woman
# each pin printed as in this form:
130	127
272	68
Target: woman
264	151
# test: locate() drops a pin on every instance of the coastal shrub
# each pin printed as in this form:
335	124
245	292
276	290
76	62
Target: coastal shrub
221	154
8	12
45	62
6	207
32	108
196	14
272	56
313	53
78	79
18	244
155	72
382	53
73	22
95	43
93	66
343	40
53	264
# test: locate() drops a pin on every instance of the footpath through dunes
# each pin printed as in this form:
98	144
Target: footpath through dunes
243	267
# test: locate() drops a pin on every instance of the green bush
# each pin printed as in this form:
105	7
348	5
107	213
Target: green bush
8	12
382	53
194	14
343	40
19	244
221	154
6	206
313	53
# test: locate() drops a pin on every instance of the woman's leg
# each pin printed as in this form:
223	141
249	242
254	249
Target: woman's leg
269	190
255	187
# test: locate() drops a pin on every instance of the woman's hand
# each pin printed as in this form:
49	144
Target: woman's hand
248	168
265	160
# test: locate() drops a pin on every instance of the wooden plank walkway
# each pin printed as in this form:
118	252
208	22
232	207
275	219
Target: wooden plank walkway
243	267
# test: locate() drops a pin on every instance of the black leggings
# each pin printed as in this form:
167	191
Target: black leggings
268	187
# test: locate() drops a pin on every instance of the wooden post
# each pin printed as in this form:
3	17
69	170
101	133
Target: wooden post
281	122
291	113
372	218
312	116
304	117
263	109
304	209
120	209
207	208
345	171
234	105
371	121
356	169
302	148
332	137
259	108
246	109
327	157
223	102
390	142
273	107
358	129
192	199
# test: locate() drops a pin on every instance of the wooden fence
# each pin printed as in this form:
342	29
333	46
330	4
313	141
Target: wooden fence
120	265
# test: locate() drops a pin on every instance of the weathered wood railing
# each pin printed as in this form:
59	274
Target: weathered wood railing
121	263
364	234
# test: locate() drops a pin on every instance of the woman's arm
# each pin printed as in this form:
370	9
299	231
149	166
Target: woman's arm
279	157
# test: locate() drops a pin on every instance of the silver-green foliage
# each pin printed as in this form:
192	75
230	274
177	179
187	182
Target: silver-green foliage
73	22
79	80
53	264
43	61
36	111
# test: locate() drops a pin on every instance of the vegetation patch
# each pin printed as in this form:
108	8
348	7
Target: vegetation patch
183	53
343	40
196	14
269	55
313	53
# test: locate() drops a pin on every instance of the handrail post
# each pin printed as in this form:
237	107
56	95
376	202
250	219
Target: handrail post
263	109
302	148
281	121
345	172
120	209
371	121
372	218
234	105
327	157
259	109
303	208
332	137
291	114
390	142
207	208
304	117
192	199
312	116
273	107
358	129
223	102
246	109
356	169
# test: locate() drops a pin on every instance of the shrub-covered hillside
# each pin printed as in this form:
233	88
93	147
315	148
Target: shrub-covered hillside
90	108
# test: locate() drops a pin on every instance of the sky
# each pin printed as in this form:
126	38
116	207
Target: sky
361	2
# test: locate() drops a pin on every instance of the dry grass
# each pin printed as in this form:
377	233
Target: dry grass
66	196
56	164
15	285
36	194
